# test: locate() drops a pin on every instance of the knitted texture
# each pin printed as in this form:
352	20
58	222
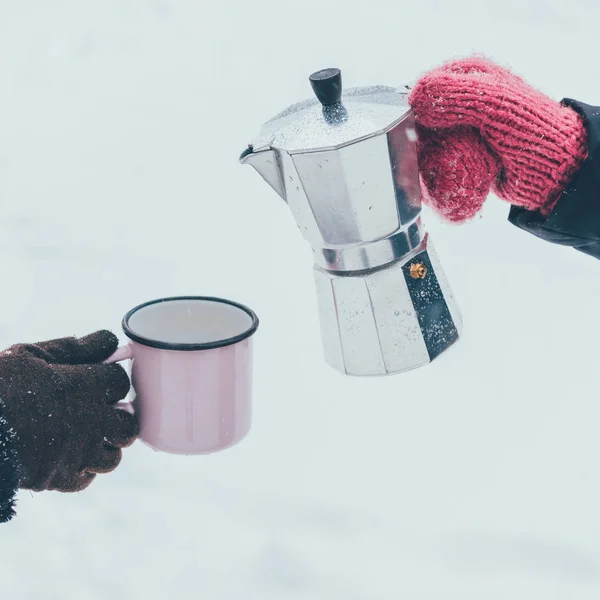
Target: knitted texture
481	128
60	399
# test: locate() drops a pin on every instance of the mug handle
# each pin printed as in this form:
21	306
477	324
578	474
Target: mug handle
122	353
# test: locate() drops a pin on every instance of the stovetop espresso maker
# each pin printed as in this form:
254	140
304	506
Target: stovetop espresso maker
346	164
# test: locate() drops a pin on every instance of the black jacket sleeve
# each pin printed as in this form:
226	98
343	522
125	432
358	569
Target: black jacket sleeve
9	469
575	220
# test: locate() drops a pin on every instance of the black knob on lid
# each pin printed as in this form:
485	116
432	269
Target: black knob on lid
327	86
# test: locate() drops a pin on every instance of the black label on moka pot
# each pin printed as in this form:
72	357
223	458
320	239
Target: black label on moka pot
436	323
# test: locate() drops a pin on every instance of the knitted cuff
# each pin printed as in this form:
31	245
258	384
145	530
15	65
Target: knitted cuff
9	469
575	220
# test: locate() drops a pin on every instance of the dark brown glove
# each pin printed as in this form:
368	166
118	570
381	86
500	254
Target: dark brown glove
59	398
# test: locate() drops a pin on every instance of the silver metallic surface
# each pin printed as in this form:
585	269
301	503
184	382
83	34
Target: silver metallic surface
368	322
352	185
358	194
349	206
302	128
267	164
370	256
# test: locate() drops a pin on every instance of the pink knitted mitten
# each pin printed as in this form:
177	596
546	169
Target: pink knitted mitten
482	128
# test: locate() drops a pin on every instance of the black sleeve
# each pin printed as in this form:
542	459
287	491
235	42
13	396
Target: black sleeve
575	220
9	470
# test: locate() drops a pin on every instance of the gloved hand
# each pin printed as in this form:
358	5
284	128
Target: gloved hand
59	399
483	129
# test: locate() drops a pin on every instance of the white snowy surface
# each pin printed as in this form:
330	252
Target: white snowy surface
475	478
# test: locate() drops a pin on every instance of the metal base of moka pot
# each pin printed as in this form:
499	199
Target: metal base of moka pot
390	319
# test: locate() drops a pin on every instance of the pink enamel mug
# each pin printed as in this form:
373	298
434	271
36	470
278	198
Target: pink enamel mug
191	372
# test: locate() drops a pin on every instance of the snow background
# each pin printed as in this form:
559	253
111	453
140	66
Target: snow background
121	122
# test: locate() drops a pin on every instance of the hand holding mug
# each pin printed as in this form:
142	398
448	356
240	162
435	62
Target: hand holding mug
58	399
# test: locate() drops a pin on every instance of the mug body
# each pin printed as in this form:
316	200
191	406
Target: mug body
192	373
